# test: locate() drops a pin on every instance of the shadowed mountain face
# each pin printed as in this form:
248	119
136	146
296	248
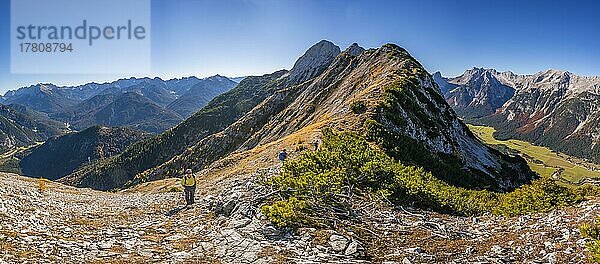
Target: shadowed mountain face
157	106
21	126
556	109
401	111
76	149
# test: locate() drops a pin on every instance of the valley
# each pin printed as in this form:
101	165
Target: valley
542	160
552	108
148	104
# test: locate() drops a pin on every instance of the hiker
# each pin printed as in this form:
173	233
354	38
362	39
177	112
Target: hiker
189	186
315	144
283	155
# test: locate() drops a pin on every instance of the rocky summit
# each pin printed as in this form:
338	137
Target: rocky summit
45	222
314	61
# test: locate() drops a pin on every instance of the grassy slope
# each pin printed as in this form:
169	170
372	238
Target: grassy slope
548	161
9	161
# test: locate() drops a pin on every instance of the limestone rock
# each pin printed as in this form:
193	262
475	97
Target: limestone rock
338	243
314	61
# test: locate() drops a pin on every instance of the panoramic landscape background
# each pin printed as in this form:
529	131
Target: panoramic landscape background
315	131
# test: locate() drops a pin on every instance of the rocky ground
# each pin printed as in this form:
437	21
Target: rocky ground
58	223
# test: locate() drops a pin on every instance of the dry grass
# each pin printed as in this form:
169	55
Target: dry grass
208	259
153	237
245	162
118	249
27	254
6	247
276	256
321	237
284	257
127	260
9	233
87	222
68	190
186	244
266	252
42	184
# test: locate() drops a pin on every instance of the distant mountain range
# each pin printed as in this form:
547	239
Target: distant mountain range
149	104
383	93
553	108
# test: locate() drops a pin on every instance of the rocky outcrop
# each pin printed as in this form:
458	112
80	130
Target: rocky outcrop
314	61
442	83
64	224
355	49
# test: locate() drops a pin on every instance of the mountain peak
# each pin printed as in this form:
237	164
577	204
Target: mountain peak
354	49
442	82
315	60
217	77
555	72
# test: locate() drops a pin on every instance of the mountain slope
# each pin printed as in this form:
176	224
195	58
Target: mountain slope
556	109
46	98
200	94
133	110
76	149
87	105
218	114
22	126
402	112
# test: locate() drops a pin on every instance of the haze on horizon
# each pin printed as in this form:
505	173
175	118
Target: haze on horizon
252	37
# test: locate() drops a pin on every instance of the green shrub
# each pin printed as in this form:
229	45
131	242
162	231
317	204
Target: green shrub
174	189
321	185
540	196
592	231
587	190
358	106
286	212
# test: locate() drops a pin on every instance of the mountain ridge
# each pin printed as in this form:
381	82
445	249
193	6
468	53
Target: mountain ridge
553	108
292	104
77	105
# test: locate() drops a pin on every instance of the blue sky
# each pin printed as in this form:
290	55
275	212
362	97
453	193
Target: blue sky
249	37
